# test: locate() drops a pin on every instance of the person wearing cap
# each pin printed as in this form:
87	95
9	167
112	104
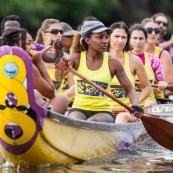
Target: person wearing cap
90	58
67	36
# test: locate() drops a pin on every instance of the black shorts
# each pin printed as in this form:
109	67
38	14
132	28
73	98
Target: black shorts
89	114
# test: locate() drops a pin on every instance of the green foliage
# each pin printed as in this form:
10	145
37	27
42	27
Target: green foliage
73	11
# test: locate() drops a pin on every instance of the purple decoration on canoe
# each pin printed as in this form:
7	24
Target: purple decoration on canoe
13	131
11	99
39	111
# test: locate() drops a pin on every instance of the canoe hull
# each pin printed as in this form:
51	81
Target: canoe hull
33	136
62	143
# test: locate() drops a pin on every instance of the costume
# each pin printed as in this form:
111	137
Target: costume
86	96
167	48
117	90
151	76
64	84
40	47
158	52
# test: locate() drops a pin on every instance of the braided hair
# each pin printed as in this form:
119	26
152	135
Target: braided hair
14	37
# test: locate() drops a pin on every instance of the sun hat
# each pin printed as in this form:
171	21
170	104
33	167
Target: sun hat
68	30
93	27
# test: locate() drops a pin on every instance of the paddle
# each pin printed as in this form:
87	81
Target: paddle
169	87
159	129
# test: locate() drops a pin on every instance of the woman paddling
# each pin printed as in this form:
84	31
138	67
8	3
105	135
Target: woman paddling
89	58
118	48
152	64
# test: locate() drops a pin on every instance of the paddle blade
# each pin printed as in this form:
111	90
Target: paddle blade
160	130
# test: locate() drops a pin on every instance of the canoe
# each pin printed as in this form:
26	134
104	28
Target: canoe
162	110
33	136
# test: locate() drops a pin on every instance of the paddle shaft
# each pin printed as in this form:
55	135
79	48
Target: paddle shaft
102	90
169	87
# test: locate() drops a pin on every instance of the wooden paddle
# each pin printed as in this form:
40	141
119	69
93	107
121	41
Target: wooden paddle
169	87
160	130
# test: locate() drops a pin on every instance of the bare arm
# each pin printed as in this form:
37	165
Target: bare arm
52	55
70	92
167	67
41	84
70	79
117	69
37	60
166	43
137	68
64	63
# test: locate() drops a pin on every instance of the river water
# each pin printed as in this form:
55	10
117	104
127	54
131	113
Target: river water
146	157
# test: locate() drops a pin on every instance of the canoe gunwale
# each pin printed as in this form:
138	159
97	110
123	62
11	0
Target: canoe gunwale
94	125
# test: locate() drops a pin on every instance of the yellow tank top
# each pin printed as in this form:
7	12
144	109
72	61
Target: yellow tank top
151	78
64	85
158	95
117	90
56	84
157	51
86	96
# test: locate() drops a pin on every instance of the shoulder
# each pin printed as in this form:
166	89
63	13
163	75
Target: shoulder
164	55
132	56
113	61
134	59
164	52
115	66
74	60
74	56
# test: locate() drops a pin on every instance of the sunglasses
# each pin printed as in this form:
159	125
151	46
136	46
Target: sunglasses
164	23
55	31
150	30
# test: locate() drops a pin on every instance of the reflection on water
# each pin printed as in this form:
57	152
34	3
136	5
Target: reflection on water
146	157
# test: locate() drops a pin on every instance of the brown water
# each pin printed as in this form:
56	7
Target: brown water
146	157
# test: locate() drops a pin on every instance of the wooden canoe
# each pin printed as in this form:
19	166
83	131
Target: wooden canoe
31	135
163	110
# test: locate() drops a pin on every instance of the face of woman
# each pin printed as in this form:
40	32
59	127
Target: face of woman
118	39
152	32
54	31
137	41
98	41
29	43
